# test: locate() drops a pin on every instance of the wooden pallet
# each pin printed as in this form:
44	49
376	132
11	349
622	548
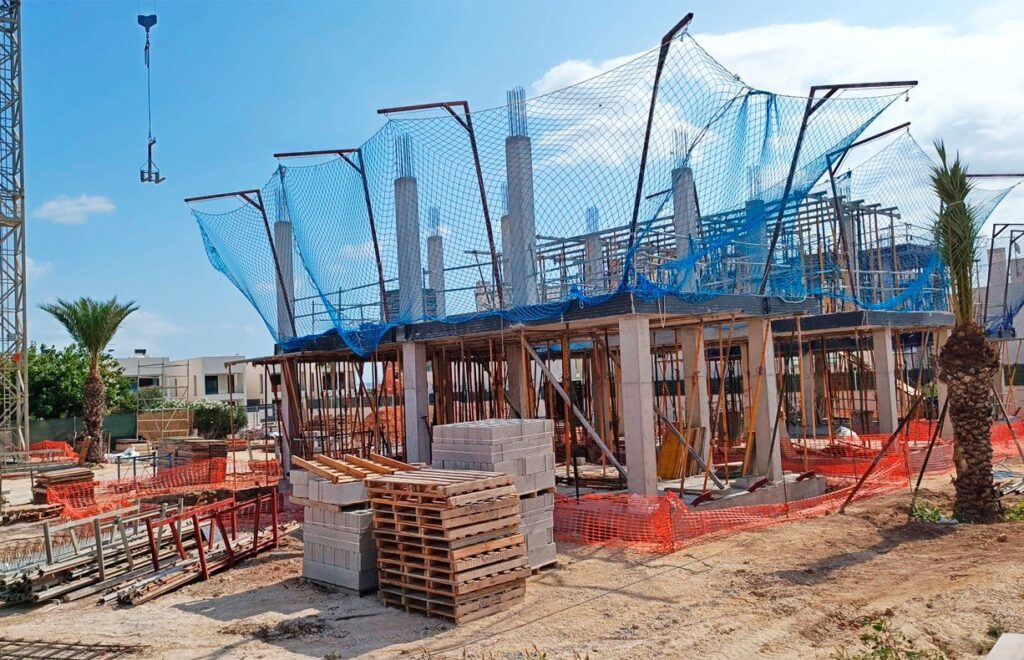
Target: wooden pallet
448	542
351	468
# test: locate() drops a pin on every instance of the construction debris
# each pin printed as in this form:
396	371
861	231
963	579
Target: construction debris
44	481
448	542
15	649
132	556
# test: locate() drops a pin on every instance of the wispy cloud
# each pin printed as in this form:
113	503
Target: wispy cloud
65	210
36	269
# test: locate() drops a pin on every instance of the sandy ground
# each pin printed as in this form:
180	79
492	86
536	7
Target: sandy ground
800	589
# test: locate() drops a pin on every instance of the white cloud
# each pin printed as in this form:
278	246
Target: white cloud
571	72
144	329
36	269
967	93
65	210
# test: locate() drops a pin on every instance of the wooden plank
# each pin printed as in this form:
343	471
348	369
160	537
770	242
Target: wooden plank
390	462
369	466
342	466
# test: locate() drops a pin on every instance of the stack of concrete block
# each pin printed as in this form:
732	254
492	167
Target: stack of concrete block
337	533
521	448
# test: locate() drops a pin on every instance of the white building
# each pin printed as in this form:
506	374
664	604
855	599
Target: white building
192	379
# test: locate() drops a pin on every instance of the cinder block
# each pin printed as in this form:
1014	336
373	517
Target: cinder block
541	556
298	477
355	580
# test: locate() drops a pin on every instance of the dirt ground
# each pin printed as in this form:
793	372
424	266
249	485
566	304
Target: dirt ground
799	589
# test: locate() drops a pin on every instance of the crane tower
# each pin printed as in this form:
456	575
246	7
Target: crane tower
13	305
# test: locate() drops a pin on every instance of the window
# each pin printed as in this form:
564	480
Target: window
211	385
149	382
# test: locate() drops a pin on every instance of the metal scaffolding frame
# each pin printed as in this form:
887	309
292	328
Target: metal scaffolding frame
13	305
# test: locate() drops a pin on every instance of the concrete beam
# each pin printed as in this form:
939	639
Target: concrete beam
638	405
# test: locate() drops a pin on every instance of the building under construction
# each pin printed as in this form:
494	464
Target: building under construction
715	292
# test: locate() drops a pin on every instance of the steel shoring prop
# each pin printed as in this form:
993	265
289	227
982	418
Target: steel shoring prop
360	167
813	104
881	452
555	385
247	196
927	456
666	43
466	121
1006	419
833	168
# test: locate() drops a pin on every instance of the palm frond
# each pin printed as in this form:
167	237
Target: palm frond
957	230
91	323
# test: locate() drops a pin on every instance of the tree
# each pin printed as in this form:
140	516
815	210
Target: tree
56	382
968	362
92	324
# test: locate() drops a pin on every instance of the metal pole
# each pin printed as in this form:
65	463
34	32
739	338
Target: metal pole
666	43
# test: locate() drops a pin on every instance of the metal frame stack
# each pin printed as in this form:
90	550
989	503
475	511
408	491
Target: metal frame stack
521	448
448	542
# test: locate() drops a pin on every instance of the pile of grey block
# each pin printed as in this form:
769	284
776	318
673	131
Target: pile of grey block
519	447
337	533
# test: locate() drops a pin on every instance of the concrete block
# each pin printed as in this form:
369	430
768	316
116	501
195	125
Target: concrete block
298	477
355	580
540	556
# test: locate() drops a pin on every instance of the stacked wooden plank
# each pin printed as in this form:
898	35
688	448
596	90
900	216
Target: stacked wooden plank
518	447
43	482
448	542
338	548
201	449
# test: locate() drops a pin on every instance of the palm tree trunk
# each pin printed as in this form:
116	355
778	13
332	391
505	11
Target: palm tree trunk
967	364
93	403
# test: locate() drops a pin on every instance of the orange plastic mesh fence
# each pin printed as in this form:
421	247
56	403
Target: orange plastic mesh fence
56	451
84	500
664	523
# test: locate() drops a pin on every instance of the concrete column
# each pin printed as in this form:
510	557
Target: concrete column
766	432
522	248
595	269
941	337
517	375
997	267
808	384
638	405
884	359
414	386
435	272
506	247
410	268
698	403
283	246
684	217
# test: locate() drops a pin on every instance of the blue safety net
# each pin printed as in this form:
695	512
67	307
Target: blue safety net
877	249
522	210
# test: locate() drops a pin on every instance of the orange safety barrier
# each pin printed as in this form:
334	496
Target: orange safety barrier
84	500
56	451
664	523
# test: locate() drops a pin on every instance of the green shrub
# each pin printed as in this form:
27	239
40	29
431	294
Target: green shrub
216	419
1016	512
926	512
884	643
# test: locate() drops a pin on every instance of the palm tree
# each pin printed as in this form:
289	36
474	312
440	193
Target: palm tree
92	324
968	362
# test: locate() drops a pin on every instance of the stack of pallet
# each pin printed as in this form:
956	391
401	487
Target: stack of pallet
43	482
448	542
192	450
338	548
518	447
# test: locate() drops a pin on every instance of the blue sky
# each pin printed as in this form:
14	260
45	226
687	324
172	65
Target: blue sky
236	81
